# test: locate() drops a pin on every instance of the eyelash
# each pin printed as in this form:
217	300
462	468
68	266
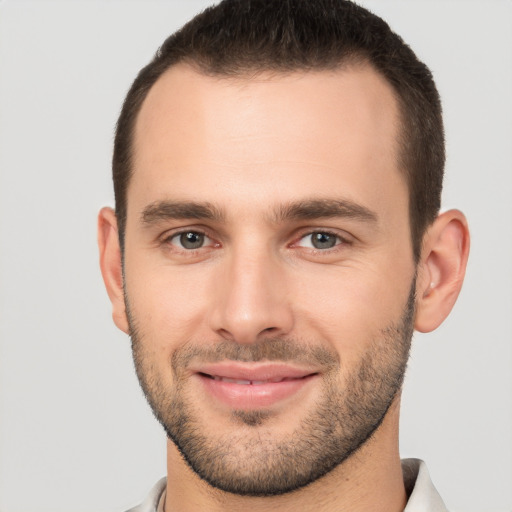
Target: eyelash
169	237
340	241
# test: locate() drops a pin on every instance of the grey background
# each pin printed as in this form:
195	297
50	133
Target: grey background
75	432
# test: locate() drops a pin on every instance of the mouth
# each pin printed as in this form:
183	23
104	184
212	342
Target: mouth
254	385
245	382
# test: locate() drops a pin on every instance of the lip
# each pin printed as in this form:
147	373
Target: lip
253	385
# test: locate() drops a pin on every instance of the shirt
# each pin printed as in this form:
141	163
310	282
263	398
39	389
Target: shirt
423	496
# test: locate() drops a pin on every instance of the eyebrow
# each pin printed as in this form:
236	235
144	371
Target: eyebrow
299	210
165	210
325	208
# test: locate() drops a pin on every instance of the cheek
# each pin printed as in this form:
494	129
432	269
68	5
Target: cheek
168	303
349	307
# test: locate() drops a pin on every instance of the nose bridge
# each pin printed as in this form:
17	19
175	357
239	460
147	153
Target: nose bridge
252	300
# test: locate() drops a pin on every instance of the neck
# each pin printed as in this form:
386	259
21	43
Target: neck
369	481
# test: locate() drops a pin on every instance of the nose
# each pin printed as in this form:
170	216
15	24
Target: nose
251	298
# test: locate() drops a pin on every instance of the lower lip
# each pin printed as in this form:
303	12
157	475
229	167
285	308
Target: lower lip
253	396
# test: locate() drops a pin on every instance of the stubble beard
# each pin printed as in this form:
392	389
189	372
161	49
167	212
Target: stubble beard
250	460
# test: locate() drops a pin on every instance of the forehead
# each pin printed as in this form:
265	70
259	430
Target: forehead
269	133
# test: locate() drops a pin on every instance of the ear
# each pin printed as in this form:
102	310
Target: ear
111	266
441	269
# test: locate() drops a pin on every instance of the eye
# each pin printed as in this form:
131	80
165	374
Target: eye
320	240
190	240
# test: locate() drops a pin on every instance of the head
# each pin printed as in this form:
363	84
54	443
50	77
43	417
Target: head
276	239
242	38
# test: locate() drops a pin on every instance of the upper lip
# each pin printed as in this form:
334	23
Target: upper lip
264	371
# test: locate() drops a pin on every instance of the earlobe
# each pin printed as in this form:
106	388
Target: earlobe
441	269
111	265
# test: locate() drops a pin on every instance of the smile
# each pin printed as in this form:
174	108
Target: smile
251	382
253	385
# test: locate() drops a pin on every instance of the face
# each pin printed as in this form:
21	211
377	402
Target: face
269	277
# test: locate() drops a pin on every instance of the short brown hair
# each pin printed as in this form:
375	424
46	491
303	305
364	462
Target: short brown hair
238	37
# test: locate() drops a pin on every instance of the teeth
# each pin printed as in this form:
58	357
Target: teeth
236	381
248	382
232	381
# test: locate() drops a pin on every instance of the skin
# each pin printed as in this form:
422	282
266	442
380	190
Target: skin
251	147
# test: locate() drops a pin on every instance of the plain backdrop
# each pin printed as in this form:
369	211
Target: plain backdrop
75	432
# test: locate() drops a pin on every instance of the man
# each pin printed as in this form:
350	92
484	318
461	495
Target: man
276	240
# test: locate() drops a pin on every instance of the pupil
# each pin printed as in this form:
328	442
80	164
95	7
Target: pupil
191	240
323	240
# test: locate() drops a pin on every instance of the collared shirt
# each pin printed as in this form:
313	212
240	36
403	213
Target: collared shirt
423	496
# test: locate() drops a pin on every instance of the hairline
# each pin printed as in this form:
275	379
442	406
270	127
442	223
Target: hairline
357	59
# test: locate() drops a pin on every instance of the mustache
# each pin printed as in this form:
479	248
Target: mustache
269	349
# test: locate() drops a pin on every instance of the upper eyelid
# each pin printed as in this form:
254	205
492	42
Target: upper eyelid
341	241
295	237
171	233
166	241
341	234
